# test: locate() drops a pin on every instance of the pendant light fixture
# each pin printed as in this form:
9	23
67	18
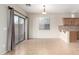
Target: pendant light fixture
44	10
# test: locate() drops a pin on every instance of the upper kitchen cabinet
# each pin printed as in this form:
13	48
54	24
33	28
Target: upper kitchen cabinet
71	21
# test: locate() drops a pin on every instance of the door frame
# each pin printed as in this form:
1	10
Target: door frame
10	31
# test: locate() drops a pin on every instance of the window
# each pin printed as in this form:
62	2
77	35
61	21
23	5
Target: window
44	23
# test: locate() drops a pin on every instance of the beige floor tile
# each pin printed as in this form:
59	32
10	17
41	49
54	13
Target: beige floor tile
45	47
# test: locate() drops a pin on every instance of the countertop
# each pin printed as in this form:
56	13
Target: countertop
68	28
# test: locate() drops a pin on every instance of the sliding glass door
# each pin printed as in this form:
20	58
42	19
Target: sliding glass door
19	28
16	23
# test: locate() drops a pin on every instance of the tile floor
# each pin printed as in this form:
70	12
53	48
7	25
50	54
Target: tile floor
45	47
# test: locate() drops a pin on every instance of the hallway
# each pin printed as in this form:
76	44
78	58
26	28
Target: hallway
45	47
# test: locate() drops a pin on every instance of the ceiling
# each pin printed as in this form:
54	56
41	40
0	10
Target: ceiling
51	8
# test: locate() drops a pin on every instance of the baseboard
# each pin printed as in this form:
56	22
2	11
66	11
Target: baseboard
2	53
43	38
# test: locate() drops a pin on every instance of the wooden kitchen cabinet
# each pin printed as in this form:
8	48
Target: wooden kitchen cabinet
73	36
67	21
76	22
71	21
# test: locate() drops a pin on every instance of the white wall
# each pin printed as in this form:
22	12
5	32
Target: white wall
55	21
3	25
65	36
3	28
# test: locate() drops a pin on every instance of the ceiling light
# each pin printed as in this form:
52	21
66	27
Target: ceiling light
72	15
28	4
44	10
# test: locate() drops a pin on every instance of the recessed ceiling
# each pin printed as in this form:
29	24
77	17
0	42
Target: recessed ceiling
51	8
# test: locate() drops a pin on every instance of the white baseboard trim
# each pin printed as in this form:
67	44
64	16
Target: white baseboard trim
3	52
44	38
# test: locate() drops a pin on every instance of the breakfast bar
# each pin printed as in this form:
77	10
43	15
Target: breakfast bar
71	25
